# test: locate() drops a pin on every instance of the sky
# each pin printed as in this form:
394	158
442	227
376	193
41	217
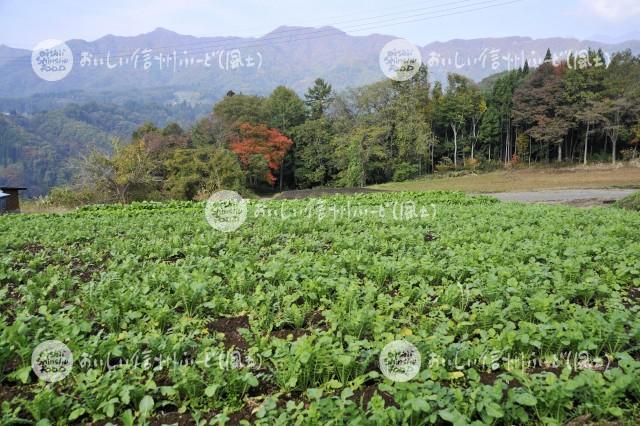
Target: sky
24	23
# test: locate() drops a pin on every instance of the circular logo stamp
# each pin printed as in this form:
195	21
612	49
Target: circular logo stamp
400	361
52	361
226	211
400	59
51	60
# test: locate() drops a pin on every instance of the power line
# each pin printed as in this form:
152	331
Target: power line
302	30
315	23
281	37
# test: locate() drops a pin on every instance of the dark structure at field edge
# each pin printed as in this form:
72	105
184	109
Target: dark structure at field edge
10	199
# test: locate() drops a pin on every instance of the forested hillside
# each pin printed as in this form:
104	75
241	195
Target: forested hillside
38	150
382	132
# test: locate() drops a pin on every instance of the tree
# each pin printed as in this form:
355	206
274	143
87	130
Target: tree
583	86
478	109
261	151
522	146
592	114
491	128
231	111
172	129
362	155
615	111
635	138
424	144
318	98
410	112
621	96
456	107
194	173
145	129
437	92
314	153
210	131
284	110
538	104
500	112
372	107
119	176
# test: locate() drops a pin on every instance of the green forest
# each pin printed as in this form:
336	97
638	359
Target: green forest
579	111
41	136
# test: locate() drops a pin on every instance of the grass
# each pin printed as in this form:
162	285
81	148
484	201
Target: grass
33	206
528	179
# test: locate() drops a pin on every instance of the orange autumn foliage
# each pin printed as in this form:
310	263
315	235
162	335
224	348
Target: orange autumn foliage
261	140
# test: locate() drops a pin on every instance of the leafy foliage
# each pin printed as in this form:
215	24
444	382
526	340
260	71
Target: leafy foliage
631	202
260	148
493	295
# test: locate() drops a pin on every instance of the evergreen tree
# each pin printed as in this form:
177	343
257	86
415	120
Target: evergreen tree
318	97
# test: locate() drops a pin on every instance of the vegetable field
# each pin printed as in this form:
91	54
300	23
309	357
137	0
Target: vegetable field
522	314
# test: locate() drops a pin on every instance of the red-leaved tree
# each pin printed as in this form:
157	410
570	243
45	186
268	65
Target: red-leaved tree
261	151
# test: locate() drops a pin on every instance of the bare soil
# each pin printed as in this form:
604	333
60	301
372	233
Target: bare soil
230	327
527	179
574	197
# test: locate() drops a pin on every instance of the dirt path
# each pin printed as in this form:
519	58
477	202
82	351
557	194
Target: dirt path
576	197
525	180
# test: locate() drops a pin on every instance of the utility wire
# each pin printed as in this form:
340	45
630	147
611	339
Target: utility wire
283	37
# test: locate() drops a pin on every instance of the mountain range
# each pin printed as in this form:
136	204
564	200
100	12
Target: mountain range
168	66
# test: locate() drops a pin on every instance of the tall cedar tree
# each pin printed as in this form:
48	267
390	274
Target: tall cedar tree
318	98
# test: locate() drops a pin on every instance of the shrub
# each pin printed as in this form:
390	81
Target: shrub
62	196
632	202
490	166
471	163
628	154
405	171
445	165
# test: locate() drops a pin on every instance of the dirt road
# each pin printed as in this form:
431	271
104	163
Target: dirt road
576	197
533	179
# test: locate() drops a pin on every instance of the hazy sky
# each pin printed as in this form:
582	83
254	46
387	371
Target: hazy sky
23	23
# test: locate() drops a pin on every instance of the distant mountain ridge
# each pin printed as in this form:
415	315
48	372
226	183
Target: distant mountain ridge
165	62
